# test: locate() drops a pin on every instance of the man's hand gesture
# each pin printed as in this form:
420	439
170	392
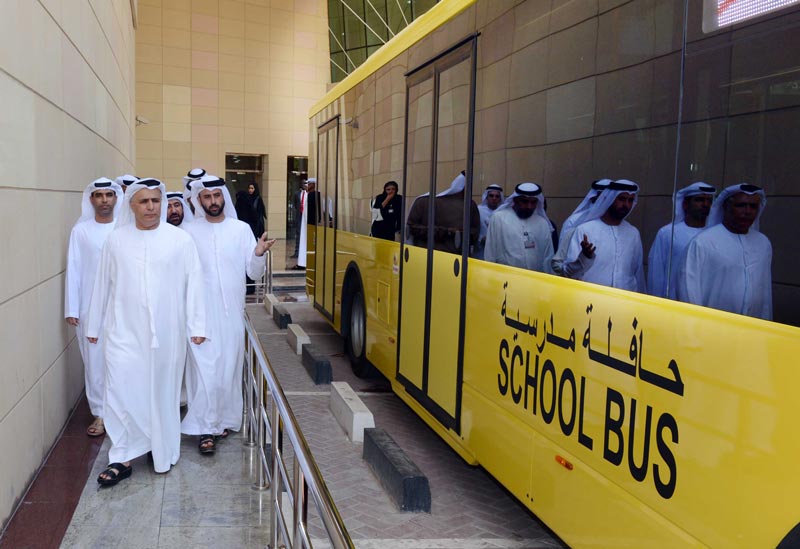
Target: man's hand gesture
262	245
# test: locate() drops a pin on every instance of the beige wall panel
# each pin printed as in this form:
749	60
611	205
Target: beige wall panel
176	19
231	117
231	28
205	7
177	57
231	9
180	114
61	386
175	38
175	150
177	76
232	81
205	78
147	72
231	135
205	24
205	97
19	461
202	41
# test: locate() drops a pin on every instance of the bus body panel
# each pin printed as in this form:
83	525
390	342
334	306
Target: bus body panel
677	421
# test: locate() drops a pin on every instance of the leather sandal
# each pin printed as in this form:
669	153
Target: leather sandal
207	444
115	472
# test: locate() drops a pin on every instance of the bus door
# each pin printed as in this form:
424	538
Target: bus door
437	190
322	213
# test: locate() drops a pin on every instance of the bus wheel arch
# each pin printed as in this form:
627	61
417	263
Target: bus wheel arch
354	322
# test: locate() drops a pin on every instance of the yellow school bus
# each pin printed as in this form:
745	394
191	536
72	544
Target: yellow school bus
618	418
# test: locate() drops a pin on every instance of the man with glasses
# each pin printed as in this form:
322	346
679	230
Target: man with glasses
519	233
729	265
228	250
147	303
102	199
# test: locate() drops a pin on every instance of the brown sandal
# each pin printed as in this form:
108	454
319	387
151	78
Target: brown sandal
97	428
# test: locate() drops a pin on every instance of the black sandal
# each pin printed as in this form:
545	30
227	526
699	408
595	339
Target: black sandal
115	473
206	444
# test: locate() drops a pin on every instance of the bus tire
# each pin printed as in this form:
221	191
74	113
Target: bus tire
355	341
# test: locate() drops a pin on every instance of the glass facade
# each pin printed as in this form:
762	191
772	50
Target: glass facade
357	28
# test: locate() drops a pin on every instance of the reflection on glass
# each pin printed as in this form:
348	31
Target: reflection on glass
418	163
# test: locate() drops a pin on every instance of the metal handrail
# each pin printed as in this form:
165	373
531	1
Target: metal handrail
262	427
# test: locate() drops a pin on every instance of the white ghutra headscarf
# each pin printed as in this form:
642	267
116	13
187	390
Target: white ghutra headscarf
103	183
718	208
211	182
695	189
126	216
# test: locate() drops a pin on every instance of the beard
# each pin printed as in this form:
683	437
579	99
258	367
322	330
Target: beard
175	219
214	210
524	214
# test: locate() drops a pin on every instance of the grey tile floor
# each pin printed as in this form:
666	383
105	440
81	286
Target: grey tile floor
209	501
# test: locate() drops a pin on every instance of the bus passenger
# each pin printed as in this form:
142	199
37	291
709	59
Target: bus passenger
576	218
448	219
387	208
490	201
519	233
692	205
728	266
606	249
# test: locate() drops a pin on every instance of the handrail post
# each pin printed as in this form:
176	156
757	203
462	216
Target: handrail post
261	478
247	387
277	482
299	505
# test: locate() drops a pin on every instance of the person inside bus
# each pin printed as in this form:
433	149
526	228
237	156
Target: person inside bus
728	265
312	199
448	219
606	249
490	201
576	218
692	206
520	234
387	208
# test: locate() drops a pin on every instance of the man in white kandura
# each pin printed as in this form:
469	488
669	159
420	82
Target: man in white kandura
519	233
692	206
728	265
178	213
492	197
147	304
227	251
577	217
606	249
102	200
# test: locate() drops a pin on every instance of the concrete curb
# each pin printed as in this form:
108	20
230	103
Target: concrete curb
281	316
296	337
317	366
350	411
398	475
